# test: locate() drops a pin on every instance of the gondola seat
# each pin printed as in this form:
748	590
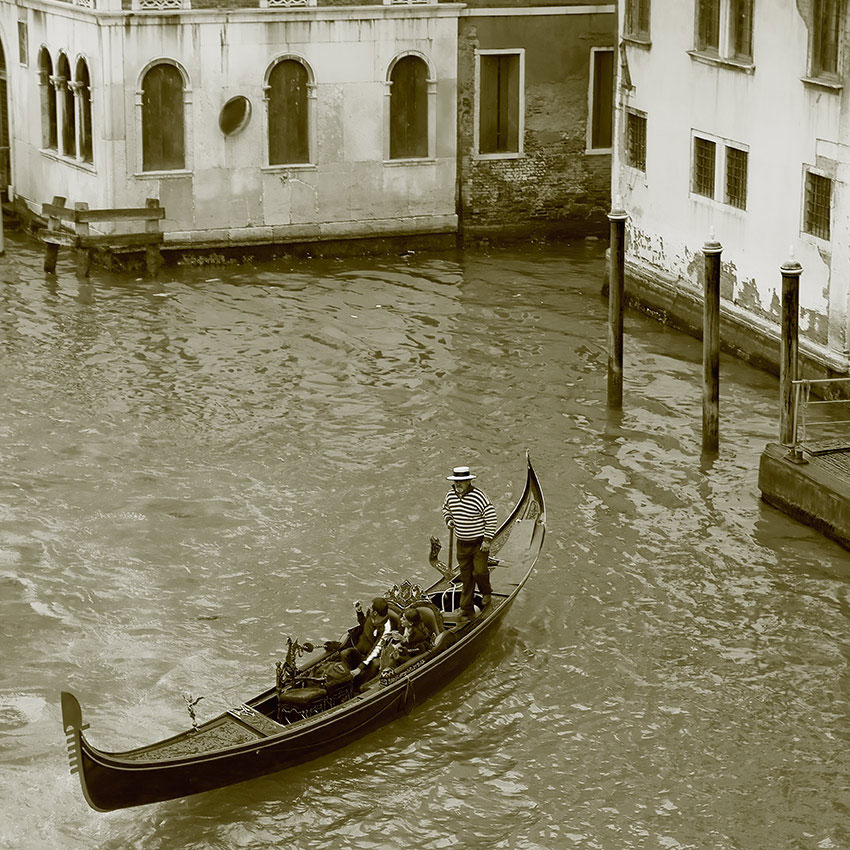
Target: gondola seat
430	616
303	697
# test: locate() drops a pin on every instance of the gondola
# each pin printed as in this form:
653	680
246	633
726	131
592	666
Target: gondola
308	712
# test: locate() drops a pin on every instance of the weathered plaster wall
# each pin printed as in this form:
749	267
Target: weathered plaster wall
227	191
784	122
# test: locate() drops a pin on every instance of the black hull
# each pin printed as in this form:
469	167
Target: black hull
120	780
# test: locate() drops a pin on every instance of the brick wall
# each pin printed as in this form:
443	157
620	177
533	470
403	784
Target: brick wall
555	186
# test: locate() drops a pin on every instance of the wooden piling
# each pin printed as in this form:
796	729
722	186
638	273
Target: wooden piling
153	255
83	254
791	271
51	249
711	347
616	288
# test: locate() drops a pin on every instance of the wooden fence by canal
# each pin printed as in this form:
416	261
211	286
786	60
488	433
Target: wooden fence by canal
85	241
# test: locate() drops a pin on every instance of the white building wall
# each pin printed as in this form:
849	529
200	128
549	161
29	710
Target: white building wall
785	123
227	190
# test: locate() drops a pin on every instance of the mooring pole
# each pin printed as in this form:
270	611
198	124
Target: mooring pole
791	271
616	286
711	346
2	234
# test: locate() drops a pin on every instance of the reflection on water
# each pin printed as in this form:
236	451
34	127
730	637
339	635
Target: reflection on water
197	467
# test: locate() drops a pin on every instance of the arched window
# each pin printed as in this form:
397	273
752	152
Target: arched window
409	108
288	113
68	138
48	100
163	147
83	82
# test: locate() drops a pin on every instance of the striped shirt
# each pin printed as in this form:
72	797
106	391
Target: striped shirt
473	515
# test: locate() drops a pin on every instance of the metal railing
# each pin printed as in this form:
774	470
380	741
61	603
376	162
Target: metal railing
826	433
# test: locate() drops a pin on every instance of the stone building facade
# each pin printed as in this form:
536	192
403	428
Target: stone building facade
732	119
280	121
274	122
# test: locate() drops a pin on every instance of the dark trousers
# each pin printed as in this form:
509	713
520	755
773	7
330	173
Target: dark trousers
472	563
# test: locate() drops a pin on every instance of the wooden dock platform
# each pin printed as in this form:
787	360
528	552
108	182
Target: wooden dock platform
812	485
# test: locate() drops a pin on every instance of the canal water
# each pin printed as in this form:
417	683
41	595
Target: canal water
195	468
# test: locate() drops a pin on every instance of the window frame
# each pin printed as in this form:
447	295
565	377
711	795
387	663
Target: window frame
632	113
589	149
23	43
725	52
814	73
633	13
49	127
310	164
188	129
431	105
66	108
721	170
476	132
735	146
85	111
823	175
695	137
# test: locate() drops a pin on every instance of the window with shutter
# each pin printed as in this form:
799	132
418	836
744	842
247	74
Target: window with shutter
162	119
409	108
499	103
288	113
602	99
826	21
637	18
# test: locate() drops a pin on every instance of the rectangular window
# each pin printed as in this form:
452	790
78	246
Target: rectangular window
636	140
825	34
499	102
704	159
637	19
601	98
736	177
708	26
816	212
741	30
23	46
724	29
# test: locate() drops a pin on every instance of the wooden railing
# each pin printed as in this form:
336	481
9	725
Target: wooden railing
829	432
85	242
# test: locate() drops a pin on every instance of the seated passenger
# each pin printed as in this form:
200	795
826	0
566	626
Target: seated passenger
375	623
382	655
418	637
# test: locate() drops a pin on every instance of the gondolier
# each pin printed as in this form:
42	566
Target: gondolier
471	515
